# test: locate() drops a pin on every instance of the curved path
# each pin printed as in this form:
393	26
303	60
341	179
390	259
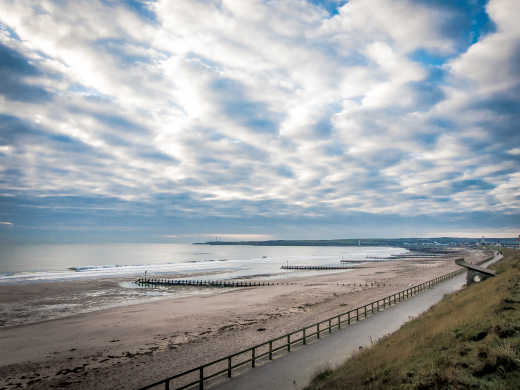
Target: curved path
296	369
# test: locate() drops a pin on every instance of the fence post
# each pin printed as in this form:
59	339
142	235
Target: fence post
349	317
318	329
167	384
229	367
289	342
357	314
339	322
330	329
253	357
304	337
201	378
365	311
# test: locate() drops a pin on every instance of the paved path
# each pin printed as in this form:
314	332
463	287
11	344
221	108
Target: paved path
296	369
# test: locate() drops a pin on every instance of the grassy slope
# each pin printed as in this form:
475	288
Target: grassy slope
471	339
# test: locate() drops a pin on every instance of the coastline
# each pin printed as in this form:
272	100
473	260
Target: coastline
133	345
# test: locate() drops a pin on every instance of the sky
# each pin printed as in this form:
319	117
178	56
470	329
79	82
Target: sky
186	120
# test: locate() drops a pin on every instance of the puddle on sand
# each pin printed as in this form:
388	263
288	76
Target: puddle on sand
126	293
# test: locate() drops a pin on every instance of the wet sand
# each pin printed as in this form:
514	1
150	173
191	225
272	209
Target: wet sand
131	346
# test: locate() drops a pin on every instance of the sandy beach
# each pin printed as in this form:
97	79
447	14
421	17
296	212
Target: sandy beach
129	346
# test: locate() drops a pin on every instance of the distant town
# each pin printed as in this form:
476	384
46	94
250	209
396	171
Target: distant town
394	242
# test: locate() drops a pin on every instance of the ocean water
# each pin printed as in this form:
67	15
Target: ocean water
32	263
103	273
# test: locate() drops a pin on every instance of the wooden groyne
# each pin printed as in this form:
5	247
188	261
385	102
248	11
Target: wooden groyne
317	267
208	283
363	261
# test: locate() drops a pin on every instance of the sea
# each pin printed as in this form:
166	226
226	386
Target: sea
45	282
49	262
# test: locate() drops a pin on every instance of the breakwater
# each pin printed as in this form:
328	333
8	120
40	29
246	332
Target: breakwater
317	267
208	283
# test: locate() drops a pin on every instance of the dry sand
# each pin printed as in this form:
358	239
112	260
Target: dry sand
131	346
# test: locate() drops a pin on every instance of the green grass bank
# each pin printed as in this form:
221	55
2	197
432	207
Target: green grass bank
469	340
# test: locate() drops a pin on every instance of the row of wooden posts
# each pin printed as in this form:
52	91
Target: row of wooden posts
234	283
316	267
208	283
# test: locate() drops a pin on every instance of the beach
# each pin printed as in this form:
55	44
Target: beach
125	347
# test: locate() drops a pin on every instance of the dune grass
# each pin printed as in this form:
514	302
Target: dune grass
471	339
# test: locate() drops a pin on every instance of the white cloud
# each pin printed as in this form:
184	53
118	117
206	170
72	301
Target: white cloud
252	107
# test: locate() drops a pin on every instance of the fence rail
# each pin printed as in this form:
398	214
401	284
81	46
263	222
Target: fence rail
302	336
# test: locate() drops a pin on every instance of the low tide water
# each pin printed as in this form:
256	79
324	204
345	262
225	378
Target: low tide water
42	282
29	263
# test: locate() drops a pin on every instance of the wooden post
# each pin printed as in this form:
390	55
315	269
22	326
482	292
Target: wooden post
289	342
270	350
201	378
253	357
357	314
318	329
304	337
349	317
229	367
339	322
330	329
167	384
365	311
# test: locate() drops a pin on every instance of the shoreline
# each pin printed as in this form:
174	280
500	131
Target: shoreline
156	339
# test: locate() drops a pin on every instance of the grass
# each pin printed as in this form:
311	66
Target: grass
469	340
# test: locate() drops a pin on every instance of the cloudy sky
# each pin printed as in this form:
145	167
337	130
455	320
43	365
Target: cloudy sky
182	120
